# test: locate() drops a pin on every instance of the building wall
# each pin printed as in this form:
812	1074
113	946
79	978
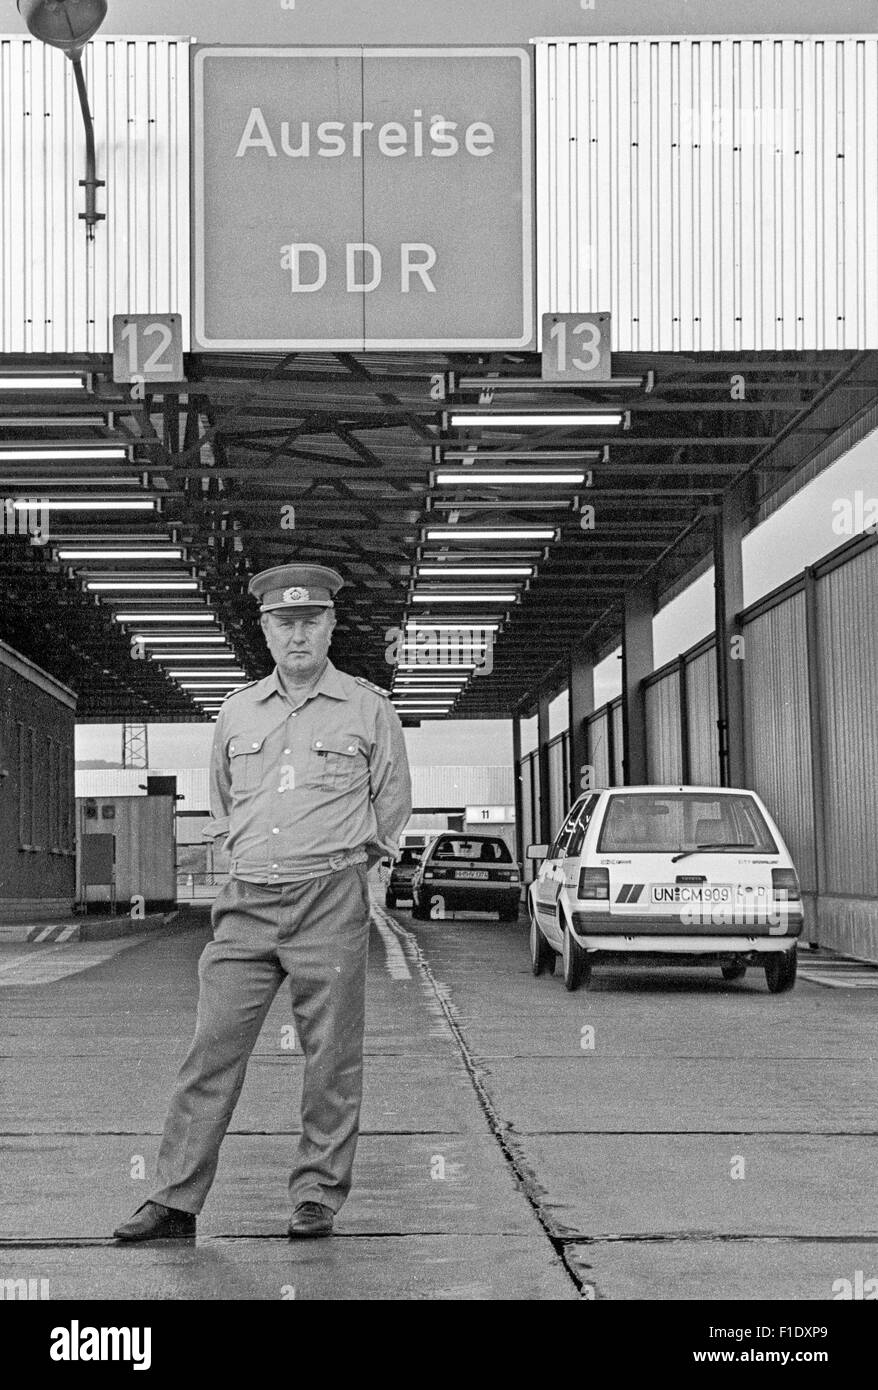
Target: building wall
37	851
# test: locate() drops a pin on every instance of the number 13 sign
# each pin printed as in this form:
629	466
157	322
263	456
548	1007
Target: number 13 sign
147	348
576	347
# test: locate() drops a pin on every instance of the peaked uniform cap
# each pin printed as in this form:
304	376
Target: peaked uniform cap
289	587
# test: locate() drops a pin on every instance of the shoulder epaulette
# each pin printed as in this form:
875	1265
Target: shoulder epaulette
238	690
361	680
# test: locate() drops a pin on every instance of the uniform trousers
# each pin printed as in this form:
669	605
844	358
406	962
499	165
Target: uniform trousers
316	934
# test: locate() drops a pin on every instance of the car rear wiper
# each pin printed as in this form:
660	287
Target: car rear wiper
718	844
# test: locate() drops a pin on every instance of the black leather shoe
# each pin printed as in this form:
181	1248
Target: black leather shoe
310	1219
152	1221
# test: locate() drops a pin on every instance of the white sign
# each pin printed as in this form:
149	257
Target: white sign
147	348
576	347
362	198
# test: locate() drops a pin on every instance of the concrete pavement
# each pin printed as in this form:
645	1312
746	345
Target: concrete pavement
705	1140
701	1139
88	1062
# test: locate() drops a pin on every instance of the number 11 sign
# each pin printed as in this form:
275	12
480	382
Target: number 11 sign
148	348
576	347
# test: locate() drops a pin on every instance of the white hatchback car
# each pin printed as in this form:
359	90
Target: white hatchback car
694	875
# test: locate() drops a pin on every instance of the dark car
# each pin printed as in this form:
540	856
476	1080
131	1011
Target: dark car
462	871
399	884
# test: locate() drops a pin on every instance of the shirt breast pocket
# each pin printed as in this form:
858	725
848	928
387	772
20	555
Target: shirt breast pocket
336	763
246	763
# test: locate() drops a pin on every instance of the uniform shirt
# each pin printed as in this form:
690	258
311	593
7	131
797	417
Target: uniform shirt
308	782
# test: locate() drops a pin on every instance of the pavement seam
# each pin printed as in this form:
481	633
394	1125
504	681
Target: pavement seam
672	1237
522	1177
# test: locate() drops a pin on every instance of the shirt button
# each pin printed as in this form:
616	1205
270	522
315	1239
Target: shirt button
288	750
254	745
351	748
275	866
275	830
318	744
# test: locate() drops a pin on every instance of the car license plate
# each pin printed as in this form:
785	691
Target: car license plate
664	894
470	873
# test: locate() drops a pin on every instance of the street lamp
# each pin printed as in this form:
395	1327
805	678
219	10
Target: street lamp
68	25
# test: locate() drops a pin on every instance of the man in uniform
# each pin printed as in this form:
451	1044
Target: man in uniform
310	782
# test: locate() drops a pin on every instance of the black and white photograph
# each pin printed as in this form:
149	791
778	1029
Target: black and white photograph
438	672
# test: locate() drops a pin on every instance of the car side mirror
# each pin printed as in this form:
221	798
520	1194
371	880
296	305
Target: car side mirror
537	852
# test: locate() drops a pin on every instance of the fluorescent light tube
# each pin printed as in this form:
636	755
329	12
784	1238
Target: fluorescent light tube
165	617
545	421
66	504
475	571
93	454
42	383
101	585
163	641
464	598
156	554
466	475
465	535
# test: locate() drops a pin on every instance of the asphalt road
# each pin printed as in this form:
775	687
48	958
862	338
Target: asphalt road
661	1135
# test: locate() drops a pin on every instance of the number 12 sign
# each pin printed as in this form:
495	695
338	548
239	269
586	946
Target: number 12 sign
148	348
576	347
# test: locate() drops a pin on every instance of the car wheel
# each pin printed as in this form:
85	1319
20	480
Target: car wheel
577	963
421	913
734	971
780	971
542	957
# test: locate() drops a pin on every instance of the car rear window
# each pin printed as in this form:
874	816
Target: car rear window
665	822
479	851
410	855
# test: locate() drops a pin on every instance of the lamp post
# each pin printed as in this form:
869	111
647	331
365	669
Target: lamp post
68	25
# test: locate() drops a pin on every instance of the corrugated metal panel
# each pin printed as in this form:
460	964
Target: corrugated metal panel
58	291
847	608
777	734
598	748
529	827
463	786
559	796
703	713
664	750
715	194
192	783
618	744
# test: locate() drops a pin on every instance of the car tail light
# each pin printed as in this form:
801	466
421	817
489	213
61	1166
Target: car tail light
785	885
511	875
594	883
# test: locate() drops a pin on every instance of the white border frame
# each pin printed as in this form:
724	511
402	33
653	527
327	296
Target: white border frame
200	341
